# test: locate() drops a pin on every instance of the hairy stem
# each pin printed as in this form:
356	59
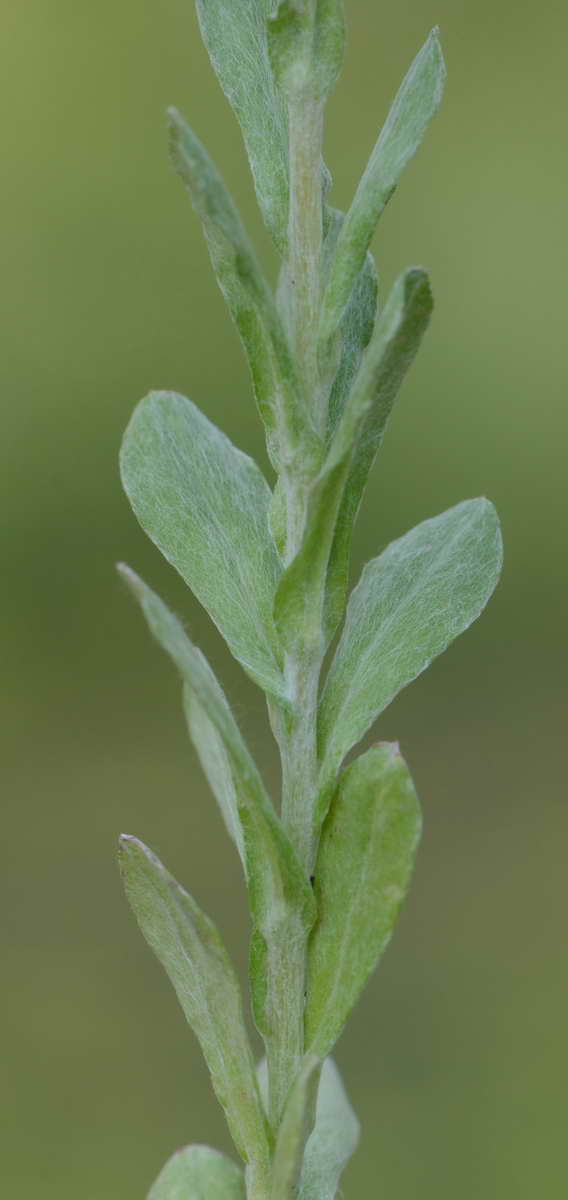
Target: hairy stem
296	734
305	235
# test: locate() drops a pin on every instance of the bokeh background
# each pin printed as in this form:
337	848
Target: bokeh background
456	1057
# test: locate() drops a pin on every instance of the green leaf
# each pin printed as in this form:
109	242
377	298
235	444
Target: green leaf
363	869
226	760
295	1128
336	493
236	39
357	325
205	504
190	949
335	1134
282	902
333	1140
410	604
393	348
416	103
246	292
199	1173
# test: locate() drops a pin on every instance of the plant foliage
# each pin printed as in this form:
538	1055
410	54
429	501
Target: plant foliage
327	870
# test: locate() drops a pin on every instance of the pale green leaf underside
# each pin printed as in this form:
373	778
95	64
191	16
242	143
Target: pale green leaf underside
410	604
190	949
333	1140
238	47
281	899
416	103
199	1173
363	870
205	505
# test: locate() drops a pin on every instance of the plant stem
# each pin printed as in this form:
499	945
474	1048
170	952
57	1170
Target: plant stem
305	236
297	734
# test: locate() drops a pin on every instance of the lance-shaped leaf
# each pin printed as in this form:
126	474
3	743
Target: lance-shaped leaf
337	492
411	602
295	1128
236	39
333	1140
196	1173
356	332
363	869
190	949
335	1134
282	902
416	103
392	351
246	292
205	505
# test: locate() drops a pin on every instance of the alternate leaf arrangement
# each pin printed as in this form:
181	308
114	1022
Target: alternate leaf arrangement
326	873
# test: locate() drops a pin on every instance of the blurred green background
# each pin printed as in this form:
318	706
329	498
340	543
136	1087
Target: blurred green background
456	1056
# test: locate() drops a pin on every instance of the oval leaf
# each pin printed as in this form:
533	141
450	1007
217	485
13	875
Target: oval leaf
205	504
410	604
199	1173
190	949
363	869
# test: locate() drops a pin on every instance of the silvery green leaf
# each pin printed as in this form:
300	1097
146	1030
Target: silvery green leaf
336	493
205	505
236	39
227	762
416	103
246	292
282	902
362	873
333	1140
357	324
190	949
199	1173
295	1128
216	763
409	605
392	350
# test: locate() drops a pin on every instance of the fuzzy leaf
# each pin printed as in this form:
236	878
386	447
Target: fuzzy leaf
246	292
205	505
190	949
336	493
357	324
295	1128
236	39
392	350
409	605
199	1173
333	1140
336	1130
363	869
416	103
282	902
